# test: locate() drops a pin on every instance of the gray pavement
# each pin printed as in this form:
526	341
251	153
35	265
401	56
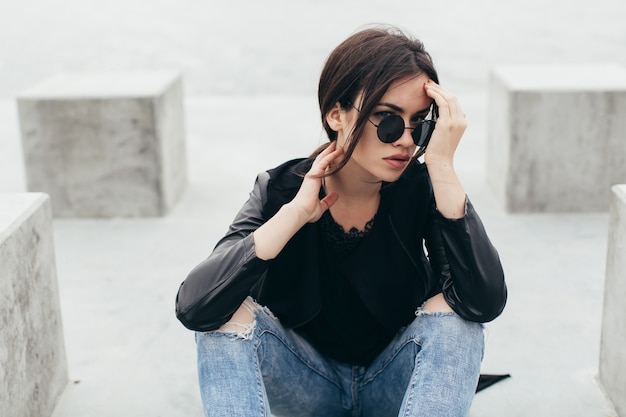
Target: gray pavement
252	65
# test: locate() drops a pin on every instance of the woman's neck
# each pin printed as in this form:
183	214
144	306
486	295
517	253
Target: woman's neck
351	187
359	198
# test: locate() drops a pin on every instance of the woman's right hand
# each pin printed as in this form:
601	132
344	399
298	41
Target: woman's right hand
307	200
306	207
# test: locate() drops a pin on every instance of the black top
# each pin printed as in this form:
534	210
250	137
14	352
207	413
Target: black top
344	329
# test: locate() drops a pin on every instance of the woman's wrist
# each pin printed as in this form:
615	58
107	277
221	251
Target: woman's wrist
441	171
273	235
449	193
294	214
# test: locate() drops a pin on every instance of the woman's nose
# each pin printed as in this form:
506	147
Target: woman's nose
406	139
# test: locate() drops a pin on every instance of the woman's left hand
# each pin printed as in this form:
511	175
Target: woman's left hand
451	125
439	156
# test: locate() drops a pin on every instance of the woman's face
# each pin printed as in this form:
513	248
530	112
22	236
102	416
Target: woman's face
373	160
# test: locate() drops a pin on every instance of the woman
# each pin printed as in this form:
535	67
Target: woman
321	300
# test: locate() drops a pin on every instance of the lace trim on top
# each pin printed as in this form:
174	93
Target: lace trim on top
341	240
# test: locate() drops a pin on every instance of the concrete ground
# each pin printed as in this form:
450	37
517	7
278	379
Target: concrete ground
250	71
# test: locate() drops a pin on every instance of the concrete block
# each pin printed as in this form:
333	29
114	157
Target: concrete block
33	366
106	145
556	137
613	339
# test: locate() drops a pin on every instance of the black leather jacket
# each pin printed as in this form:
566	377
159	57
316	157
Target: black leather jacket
390	269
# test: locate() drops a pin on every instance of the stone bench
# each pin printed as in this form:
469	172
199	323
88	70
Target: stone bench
556	137
613	339
105	144
33	366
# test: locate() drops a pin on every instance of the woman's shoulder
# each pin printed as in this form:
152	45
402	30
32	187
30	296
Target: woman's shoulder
294	169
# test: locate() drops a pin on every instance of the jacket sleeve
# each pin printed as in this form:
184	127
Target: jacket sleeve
214	289
467	264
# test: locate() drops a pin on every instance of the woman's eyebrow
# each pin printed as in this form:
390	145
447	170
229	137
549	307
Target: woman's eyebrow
401	110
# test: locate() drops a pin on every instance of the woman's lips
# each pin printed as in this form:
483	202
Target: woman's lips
397	161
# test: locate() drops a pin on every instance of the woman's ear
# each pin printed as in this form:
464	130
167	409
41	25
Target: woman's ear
333	117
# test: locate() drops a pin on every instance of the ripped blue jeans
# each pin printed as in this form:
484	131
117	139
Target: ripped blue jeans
430	369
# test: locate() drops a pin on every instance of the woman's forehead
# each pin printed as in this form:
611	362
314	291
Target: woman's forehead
408	91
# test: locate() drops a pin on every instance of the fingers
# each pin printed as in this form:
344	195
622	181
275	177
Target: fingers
447	102
331	152
450	127
324	160
307	198
329	200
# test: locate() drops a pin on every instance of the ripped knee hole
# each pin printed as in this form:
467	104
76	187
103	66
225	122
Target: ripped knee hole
436	304
243	318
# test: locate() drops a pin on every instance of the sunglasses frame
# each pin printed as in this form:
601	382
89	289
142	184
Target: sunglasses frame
422	138
420	142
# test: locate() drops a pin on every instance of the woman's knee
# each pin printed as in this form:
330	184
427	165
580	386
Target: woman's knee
243	319
436	323
435	304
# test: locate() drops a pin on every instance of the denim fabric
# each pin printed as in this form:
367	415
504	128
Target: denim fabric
431	368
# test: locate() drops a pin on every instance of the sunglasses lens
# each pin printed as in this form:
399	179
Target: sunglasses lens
423	132
390	128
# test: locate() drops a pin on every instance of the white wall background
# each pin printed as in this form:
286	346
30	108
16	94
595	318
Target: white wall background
251	47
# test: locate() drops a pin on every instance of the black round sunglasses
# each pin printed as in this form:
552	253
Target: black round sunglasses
392	127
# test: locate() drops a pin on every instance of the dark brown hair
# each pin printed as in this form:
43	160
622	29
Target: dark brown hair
369	61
